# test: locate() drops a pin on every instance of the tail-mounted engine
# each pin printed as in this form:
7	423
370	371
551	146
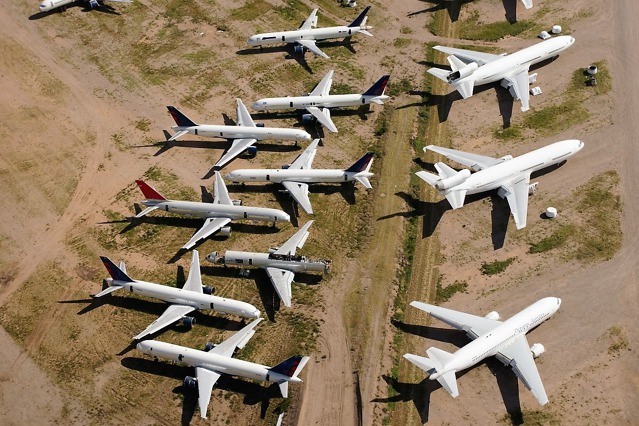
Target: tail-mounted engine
463	72
537	349
451	181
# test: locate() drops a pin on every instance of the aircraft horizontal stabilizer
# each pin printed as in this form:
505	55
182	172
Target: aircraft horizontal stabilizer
284	388
364	181
439	73
145	211
106	291
430	178
365	33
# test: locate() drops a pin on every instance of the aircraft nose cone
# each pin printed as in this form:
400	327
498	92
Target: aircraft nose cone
558	302
143	346
286	217
255	105
257	313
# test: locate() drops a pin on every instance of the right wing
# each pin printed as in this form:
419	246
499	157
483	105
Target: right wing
296	241
310	22
282	280
473	325
324	117
310	45
469	55
305	159
474	161
520	359
194	281
238	340
220	193
206	379
243	116
323	88
172	314
519	84
517	196
299	191
211	226
238	146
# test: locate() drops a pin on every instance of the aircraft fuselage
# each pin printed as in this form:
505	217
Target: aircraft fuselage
310	34
207	210
271	260
294	175
328	101
245	132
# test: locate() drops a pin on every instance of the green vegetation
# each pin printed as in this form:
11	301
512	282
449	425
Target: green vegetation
531	418
496	267
444	294
618	338
556	239
143	125
402	86
405	30
251	10
381	124
473	29
400	43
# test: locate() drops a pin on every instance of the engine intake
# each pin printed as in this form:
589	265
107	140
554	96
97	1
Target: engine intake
209	346
225	231
537	349
463	72
188	321
307	118
299	50
451	181
237	203
494	315
208	290
190	382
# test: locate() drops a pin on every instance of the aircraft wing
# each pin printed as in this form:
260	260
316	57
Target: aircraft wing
238	340
243	116
519	357
206	379
120	1
527	3
211	226
323	88
221	194
282	280
299	191
519	84
238	146
517	196
310	22
473	325
305	159
469	56
324	117
456	198
172	314
474	161
296	241
194	280
310	45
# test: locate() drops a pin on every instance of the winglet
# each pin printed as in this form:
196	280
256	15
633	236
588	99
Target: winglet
149	192
180	119
361	19
378	88
116	273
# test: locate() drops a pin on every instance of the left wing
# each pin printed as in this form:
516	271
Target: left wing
206	379
473	325
517	196
299	191
310	45
238	146
194	280
238	340
172	314
310	22
296	241
469	55
518	87
211	226
474	161
305	159
324	117
221	194
243	116
323	88
520	359
282	280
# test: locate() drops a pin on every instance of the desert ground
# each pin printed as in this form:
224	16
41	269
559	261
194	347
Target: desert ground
83	105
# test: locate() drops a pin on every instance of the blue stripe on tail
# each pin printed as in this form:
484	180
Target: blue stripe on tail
361	164
358	21
116	273
378	88
180	119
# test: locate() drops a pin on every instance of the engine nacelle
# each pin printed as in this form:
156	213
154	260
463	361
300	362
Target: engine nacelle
251	150
463	72
208	290
209	346
299	50
259	124
190	382
272	250
506	157
537	349
237	203
224	231
93	4
188	321
285	166
494	315
307	118
451	181
532	188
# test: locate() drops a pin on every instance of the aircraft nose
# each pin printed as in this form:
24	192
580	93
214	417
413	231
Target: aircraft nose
255	105
286	217
144	347
558	302
257	313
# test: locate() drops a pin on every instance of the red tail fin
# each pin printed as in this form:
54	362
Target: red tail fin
149	192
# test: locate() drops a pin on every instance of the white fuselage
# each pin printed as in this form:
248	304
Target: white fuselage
245	132
494	177
292	175
504	67
188	298
211	361
502	336
319	101
206	210
48	5
272	260
310	34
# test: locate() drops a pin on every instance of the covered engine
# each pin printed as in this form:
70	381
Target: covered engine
532	188
299	50
537	349
188	321
463	72
251	150
237	203
506	157
285	166
494	315
190	382
259	124
208	290
307	118
209	346
225	231
451	181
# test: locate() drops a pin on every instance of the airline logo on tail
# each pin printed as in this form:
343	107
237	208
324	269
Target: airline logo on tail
378	88
362	164
149	192
288	367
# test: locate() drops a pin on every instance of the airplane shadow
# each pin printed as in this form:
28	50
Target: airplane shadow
453	7
103	8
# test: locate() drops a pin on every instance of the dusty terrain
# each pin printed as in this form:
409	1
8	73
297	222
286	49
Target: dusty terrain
83	97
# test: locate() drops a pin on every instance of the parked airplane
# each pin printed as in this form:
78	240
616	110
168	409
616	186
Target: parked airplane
306	35
243	135
280	263
49	5
216	360
318	101
296	176
470	68
490	337
217	214
183	301
511	176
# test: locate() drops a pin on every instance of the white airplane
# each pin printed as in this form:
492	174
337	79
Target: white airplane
217	214
306	35
490	337
49	5
243	135
183	301
280	263
296	176
318	101
216	360
511	176
470	68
